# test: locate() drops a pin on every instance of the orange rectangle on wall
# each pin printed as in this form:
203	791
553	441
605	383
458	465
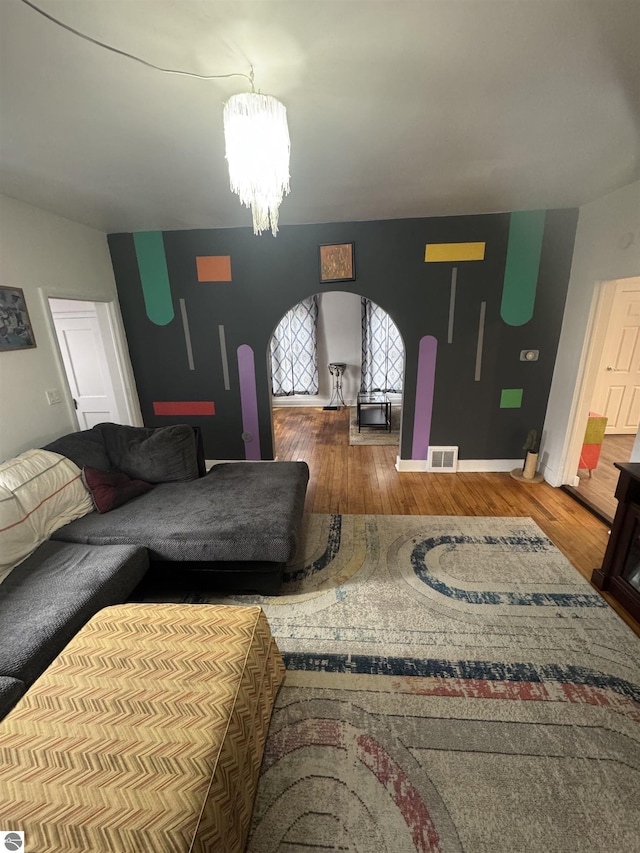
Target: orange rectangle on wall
199	407
214	267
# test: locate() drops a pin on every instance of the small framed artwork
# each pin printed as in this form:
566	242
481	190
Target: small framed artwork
337	262
15	326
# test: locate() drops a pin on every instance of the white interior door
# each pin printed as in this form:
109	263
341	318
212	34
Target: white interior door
617	394
85	361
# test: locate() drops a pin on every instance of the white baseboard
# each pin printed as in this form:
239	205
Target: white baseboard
299	401
489	465
410	465
304	401
464	465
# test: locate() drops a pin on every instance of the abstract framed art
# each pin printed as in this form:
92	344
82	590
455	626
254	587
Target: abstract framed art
337	262
15	326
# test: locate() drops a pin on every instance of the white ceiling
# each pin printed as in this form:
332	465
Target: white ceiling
396	109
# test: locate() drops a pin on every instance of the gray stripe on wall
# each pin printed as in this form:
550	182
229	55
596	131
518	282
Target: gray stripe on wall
225	360
483	311
187	334
452	304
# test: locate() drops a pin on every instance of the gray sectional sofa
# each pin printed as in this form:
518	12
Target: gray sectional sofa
47	599
235	526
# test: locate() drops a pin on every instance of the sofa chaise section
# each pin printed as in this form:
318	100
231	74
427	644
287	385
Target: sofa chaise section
247	511
237	525
50	595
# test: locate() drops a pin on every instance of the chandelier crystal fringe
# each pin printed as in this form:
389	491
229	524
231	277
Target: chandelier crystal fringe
257	150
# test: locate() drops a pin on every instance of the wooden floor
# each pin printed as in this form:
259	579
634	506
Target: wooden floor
355	480
599	488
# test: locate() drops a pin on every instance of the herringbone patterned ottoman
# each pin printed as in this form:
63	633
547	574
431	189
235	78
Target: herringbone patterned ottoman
145	734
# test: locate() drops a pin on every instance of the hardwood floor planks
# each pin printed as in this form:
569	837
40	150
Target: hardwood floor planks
363	480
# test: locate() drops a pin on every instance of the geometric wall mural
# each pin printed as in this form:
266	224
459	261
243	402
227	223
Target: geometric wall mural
485	286
424	396
452	304
526	230
224	358
480	344
187	334
511	398
213	268
439	252
249	403
199	407
154	276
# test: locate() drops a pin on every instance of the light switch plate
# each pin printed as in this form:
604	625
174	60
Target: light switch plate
53	396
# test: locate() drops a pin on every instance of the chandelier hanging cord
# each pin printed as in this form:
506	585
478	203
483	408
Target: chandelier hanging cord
256	137
84	36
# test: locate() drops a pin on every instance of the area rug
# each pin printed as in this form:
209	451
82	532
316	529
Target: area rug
370	436
453	684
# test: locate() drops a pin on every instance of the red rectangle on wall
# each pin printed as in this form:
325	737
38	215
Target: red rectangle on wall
201	407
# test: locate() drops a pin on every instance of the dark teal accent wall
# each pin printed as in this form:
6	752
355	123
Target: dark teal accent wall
271	275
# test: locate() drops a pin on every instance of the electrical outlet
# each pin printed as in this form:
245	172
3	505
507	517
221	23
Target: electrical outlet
53	396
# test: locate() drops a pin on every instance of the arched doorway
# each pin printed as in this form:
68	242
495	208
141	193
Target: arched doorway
339	338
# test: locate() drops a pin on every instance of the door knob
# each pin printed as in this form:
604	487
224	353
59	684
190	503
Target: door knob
611	368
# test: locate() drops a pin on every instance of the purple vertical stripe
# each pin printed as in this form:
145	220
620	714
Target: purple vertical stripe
424	396
249	402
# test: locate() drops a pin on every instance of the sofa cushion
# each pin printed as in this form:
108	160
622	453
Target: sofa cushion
11	689
111	489
162	455
240	511
85	448
51	595
18	537
39	492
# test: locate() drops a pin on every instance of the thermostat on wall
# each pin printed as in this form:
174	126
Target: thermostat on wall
529	354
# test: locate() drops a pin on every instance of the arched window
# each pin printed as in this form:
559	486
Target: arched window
294	363
382	351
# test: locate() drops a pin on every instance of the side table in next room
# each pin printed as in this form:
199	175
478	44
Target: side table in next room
373	411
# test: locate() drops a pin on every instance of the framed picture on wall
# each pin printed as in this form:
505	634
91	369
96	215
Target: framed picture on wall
15	326
337	262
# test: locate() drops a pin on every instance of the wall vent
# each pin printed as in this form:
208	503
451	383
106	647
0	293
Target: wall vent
443	459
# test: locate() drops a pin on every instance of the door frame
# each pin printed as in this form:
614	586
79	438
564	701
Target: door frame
121	372
599	316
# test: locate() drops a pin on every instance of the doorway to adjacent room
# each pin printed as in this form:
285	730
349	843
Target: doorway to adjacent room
614	406
91	363
345	329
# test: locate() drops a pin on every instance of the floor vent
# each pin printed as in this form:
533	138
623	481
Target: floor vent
442	459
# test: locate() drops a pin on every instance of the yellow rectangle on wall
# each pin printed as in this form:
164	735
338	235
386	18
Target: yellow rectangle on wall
436	252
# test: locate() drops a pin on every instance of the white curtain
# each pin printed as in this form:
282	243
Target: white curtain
294	364
382	351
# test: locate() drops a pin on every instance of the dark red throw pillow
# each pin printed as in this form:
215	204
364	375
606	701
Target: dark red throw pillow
110	489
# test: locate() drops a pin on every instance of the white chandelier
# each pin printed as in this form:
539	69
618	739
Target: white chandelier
257	146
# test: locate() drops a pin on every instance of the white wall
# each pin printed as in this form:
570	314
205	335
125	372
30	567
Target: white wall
339	339
607	247
40	252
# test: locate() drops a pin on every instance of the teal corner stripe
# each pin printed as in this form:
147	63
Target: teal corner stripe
526	229
154	276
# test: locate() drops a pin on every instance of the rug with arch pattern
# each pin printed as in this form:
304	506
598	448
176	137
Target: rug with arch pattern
453	684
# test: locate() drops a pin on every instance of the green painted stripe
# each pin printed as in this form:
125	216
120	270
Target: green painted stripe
154	276
521	269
